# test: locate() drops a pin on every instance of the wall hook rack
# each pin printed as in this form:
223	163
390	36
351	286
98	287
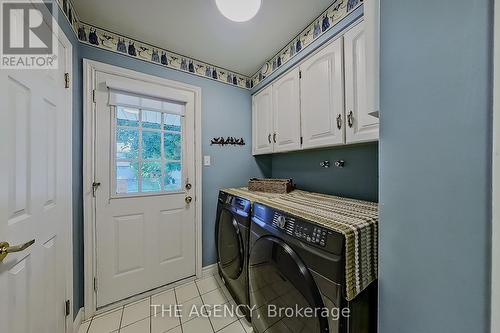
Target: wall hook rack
227	141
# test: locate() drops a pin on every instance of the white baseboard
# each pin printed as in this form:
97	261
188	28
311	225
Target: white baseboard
209	270
78	320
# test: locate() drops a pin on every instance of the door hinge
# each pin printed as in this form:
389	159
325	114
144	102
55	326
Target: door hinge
95	284
301	140
66	80
300	74
67	307
93	95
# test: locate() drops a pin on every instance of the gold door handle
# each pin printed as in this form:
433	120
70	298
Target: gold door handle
5	248
188	199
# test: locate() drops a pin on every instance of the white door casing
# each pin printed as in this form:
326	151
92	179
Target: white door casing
361	126
286	111
36	193
262	122
322	97
150	216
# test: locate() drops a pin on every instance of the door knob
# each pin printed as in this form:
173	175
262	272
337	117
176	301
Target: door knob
5	248
188	199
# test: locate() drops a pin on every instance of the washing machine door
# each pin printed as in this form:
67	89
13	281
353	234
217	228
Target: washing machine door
280	286
230	245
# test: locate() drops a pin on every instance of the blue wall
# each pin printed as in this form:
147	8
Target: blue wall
358	179
435	165
226	111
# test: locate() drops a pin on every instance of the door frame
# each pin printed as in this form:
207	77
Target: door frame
68	232
69	229
90	67
495	206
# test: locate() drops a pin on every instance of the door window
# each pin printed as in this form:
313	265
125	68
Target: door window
148	151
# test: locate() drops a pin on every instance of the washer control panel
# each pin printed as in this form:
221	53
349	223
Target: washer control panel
302	230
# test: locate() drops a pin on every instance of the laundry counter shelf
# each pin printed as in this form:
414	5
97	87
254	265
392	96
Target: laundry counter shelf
357	220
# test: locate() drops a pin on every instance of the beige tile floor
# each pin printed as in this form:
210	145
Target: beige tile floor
139	317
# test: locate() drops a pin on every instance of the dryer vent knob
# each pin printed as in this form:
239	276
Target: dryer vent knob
281	221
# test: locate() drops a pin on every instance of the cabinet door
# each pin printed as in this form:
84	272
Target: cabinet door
322	97
361	126
262	122
286	106
371	17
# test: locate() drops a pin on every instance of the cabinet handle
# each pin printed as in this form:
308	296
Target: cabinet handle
269	138
339	121
274	137
350	119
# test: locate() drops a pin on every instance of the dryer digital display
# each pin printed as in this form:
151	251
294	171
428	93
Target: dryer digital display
308	232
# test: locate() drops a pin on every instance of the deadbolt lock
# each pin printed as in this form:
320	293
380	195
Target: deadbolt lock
188	186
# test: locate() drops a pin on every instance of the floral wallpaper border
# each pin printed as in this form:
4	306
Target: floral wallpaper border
328	19
107	40
104	39
70	13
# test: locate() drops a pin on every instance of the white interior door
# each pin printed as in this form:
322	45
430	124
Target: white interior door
262	122
286	106
144	162
35	192
322	97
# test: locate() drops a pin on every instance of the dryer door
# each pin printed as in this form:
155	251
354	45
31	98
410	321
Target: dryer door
281	288
230	245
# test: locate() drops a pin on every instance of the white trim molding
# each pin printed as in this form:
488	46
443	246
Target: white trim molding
209	270
68	237
495	242
78	321
89	71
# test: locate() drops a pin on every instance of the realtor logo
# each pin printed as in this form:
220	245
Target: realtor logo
29	34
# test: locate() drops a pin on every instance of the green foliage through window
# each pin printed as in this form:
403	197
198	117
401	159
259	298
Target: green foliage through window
147	127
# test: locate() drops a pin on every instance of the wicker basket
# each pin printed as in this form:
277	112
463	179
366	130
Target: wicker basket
270	185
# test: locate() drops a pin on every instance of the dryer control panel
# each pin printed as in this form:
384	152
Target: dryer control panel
305	231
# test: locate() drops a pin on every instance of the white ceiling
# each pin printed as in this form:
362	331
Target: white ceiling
195	28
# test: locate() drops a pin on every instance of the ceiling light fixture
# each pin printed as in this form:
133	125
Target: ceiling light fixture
239	10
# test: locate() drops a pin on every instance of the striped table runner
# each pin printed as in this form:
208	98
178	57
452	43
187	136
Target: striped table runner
357	220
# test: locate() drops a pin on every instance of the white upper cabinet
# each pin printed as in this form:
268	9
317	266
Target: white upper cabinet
262	122
286	106
329	99
361	126
322	97
372	28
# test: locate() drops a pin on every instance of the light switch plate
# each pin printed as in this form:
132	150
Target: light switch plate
206	160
